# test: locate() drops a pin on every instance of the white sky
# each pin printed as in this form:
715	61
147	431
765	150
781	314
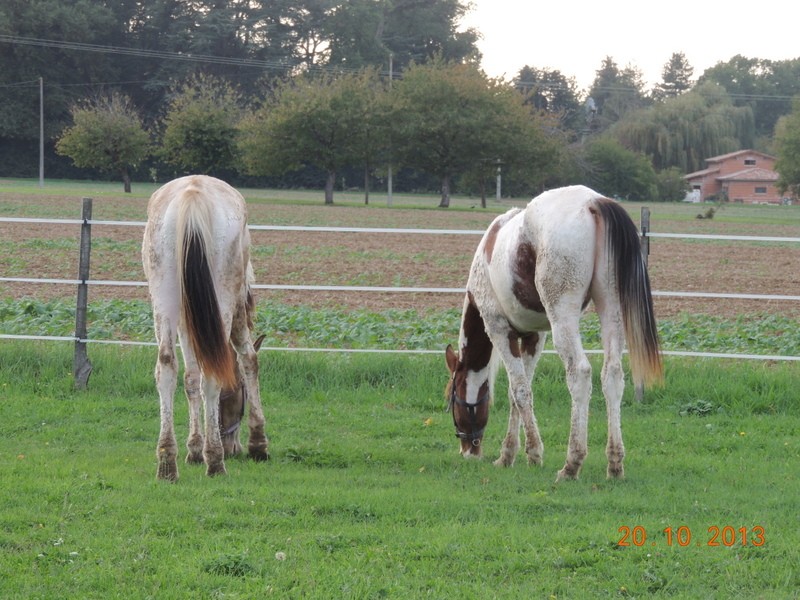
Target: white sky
575	36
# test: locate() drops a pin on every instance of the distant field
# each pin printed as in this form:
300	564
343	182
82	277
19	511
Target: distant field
397	260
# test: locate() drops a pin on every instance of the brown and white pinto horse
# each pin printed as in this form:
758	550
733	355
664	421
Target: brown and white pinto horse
535	270
196	258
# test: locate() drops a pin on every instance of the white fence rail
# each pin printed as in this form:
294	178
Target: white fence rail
85	223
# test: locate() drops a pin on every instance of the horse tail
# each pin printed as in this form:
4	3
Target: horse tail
200	309
633	287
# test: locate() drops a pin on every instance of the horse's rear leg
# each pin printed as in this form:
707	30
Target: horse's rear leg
166	381
566	338
613	382
213	452
194	443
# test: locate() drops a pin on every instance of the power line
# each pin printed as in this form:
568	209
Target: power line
165	55
281	66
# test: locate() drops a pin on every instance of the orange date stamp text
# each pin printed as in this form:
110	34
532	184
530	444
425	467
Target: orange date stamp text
716	535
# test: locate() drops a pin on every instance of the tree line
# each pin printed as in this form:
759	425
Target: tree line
313	92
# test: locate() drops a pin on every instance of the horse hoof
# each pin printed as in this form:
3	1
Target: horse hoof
213	471
167	472
568	473
504	461
194	459
258	454
258	451
535	458
616	472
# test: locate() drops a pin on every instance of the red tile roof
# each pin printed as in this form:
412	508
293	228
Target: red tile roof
754	174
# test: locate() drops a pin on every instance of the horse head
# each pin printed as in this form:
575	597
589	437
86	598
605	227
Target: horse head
232	403
468	395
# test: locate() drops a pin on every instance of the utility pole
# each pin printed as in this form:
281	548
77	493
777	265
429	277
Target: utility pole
499	194
389	173
41	132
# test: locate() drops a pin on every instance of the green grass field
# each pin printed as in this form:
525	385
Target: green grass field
366	496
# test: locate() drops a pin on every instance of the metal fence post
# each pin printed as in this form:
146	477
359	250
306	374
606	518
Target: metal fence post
81	365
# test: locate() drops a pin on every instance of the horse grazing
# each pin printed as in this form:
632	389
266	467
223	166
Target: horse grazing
535	270
196	258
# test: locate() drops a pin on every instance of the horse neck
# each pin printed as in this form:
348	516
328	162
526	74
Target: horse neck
476	348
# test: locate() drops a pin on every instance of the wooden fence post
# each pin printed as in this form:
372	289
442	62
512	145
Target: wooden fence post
81	365
645	241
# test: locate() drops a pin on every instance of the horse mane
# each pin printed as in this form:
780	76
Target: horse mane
199	305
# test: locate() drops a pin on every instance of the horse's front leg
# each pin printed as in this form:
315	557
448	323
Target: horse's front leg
521	402
258	443
510	445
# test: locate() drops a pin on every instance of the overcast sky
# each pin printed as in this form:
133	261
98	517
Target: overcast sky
575	37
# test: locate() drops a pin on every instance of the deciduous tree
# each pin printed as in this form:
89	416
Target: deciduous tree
106	134
451	119
200	127
322	121
616	171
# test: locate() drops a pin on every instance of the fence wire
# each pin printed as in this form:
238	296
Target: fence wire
385	289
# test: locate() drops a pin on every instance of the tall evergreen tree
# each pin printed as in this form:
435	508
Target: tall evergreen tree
551	92
676	77
615	92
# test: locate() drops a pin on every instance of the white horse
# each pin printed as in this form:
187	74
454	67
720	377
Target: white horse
197	261
535	270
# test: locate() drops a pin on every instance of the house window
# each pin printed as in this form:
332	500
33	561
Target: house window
750	162
761	190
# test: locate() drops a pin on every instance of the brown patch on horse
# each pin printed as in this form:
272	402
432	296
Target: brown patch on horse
491	238
529	342
524	287
522	343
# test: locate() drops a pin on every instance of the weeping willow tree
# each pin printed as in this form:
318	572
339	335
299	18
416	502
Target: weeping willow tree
684	131
787	143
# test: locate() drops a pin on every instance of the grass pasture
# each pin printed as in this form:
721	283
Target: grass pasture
365	495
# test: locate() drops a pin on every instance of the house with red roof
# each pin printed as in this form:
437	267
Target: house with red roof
745	176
